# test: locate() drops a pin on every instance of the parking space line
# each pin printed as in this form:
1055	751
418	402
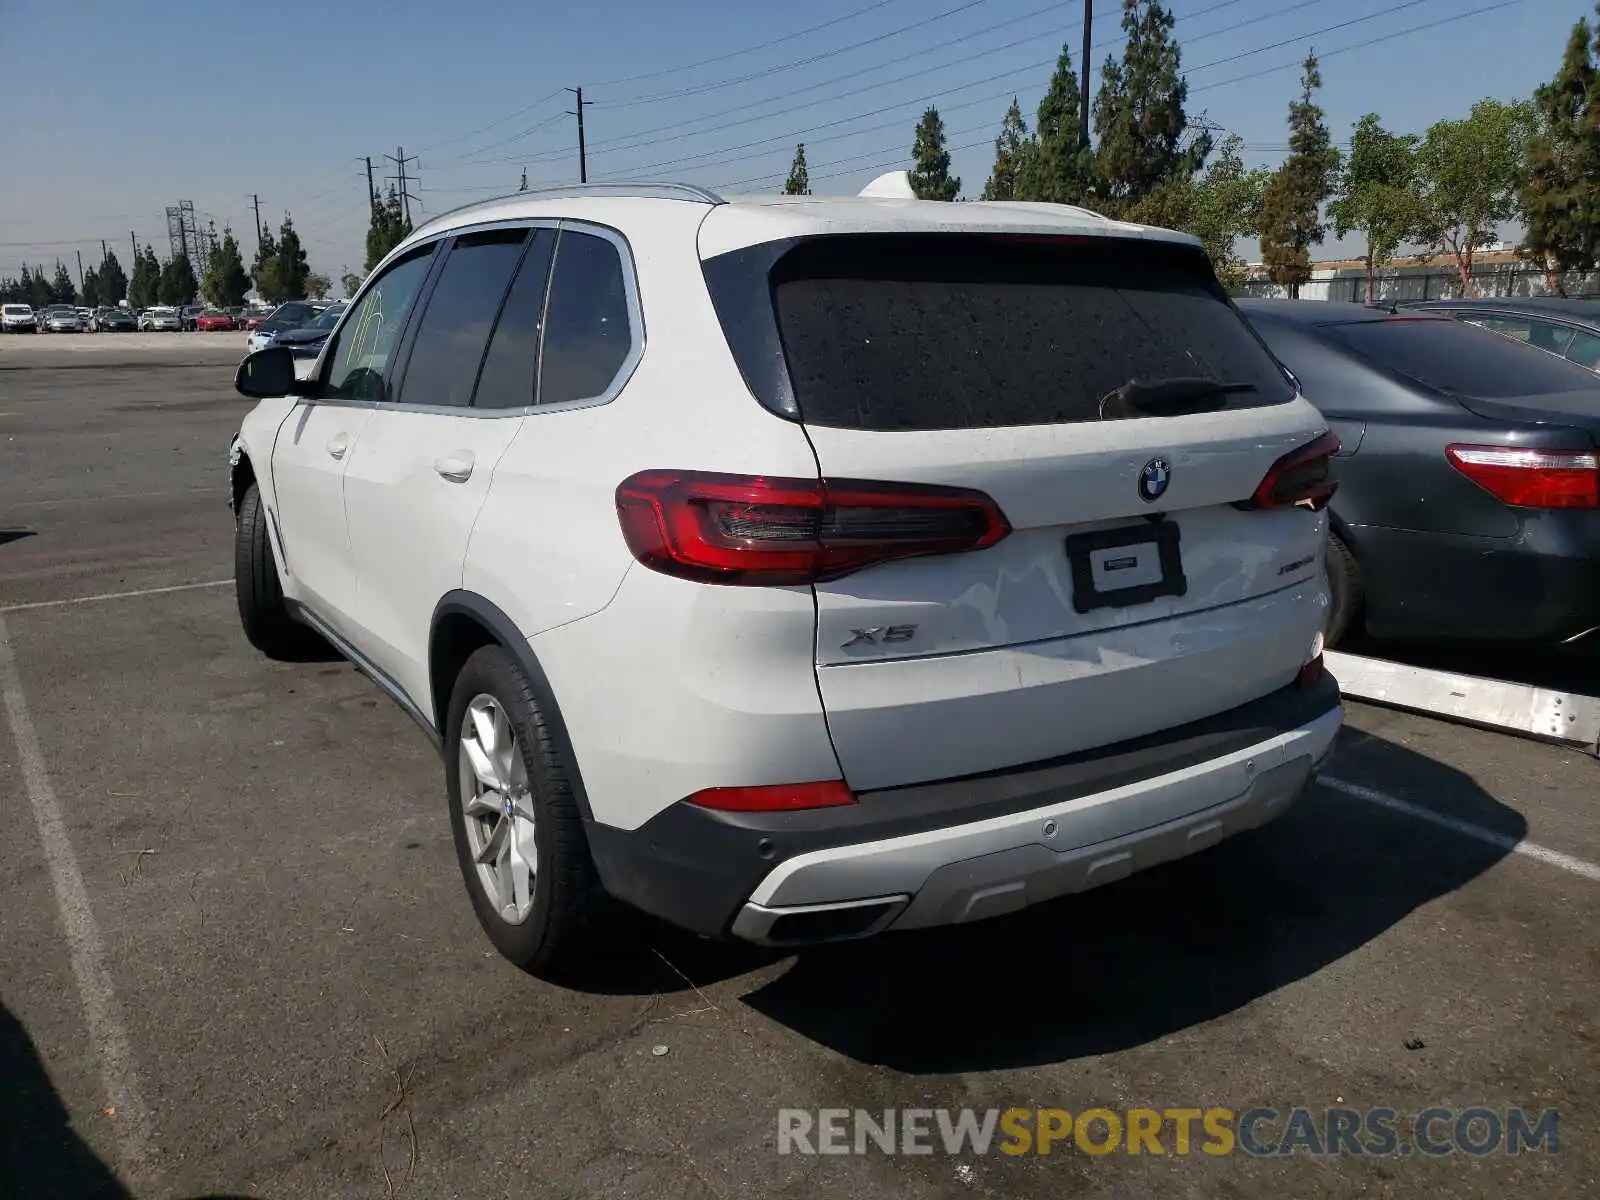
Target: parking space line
114	1053
160	591
1533	850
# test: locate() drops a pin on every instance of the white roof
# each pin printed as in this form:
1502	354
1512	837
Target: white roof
734	222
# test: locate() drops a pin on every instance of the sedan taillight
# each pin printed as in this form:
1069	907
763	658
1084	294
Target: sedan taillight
1530	478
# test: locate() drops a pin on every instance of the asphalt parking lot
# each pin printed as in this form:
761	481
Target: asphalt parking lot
235	956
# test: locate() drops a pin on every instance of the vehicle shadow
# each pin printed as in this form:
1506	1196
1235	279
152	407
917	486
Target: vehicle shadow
1160	952
16	535
40	1152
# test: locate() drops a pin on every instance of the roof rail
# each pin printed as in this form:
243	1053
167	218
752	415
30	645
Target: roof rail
649	191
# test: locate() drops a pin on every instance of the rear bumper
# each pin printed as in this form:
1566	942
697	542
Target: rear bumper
961	850
1540	587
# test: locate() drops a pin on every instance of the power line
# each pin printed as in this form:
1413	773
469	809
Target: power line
549	96
805	133
539	103
650	136
701	89
1254	148
467	158
400	158
788	37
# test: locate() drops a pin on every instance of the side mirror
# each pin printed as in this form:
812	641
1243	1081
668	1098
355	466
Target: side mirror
268	373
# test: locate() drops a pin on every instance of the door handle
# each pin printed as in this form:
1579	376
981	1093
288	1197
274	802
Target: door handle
338	444
457	467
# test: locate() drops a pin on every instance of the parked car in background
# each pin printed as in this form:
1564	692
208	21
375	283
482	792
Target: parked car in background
253	317
114	320
1469	476
306	342
18	318
187	315
1566	327
63	319
905	624
85	317
213	320
161	319
296	314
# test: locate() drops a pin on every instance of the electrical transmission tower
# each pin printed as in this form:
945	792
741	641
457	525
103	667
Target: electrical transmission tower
403	180
184	236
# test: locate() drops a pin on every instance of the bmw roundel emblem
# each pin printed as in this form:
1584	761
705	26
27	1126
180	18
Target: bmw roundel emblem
1154	477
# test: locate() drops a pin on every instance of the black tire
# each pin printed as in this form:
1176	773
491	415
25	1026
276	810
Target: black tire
567	898
1345	587
262	611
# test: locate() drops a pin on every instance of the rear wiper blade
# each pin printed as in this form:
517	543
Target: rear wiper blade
1177	396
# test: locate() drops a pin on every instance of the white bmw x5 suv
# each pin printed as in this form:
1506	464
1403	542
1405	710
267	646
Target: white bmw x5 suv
796	568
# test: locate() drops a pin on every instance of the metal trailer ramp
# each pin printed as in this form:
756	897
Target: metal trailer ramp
1519	708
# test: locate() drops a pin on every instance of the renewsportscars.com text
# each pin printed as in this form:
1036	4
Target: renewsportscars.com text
1260	1132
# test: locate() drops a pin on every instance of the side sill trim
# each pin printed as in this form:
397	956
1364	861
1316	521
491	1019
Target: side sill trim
359	661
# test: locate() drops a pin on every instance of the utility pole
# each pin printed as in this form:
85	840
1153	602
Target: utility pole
372	192
104	253
80	271
1083	75
399	158
256	201
583	150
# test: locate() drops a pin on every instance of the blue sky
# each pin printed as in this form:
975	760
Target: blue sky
116	110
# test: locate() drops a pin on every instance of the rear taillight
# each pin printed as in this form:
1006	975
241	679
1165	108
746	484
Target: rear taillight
1532	478
1311	670
758	530
781	797
1299	477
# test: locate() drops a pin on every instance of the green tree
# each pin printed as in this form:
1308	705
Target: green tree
40	293
799	182
318	285
1139	118
294	272
351	282
264	270
62	289
91	289
1291	209
1055	166
226	282
1468	171
388	228
1226	207
1559	190
113	282
930	161
177	284
1377	193
142	287
1009	150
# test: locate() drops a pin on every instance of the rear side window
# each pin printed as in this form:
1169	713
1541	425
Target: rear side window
588	335
511	367
454	332
1458	359
963	331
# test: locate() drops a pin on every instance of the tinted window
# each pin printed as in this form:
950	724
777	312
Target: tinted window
364	352
1584	350
1546	335
587	333
511	367
461	310
1457	359
960	332
290	316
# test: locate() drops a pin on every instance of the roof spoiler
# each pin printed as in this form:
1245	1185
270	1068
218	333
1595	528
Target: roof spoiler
895	185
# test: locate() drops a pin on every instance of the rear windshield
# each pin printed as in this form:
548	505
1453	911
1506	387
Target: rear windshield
1457	359
885	332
